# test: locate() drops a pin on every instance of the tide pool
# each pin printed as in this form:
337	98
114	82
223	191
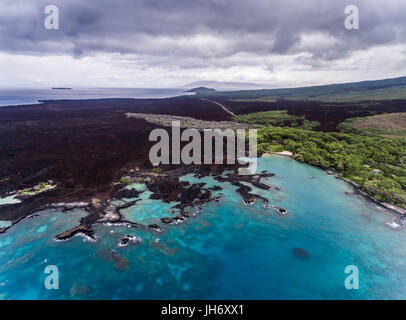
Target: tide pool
227	251
148	211
9	200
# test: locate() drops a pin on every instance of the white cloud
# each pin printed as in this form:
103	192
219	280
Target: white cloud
131	70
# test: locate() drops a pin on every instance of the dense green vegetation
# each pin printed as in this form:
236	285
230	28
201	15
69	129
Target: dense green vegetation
377	164
387	89
280	118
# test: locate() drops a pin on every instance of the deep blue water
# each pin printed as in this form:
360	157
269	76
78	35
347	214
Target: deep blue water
11	97
227	251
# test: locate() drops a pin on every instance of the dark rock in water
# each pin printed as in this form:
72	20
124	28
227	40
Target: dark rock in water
260	185
301	253
178	219
155	227
166	220
127	205
277	209
244	191
2	230
127	193
124	242
193	192
83	229
216	188
282	211
221	179
185	214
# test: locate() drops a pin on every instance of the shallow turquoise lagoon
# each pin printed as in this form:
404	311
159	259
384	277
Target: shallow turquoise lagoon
227	251
148	211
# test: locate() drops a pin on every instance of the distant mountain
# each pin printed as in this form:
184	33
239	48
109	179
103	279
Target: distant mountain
225	86
202	90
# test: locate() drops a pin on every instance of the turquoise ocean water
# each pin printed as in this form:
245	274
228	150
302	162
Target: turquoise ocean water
226	251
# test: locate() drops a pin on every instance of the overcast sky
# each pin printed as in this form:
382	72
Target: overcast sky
168	43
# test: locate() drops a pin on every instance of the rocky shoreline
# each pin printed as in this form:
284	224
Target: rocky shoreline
167	187
400	212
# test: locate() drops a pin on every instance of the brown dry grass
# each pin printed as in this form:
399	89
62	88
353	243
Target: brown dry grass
391	124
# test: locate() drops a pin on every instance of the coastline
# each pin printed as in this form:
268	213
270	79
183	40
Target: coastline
96	134
165	186
400	212
241	228
13	97
102	211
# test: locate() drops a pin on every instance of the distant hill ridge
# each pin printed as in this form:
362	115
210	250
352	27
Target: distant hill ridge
387	89
226	86
202	90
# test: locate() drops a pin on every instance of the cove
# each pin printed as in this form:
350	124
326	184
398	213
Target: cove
225	251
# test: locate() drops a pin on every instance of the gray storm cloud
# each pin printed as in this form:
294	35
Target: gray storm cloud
173	27
189	34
